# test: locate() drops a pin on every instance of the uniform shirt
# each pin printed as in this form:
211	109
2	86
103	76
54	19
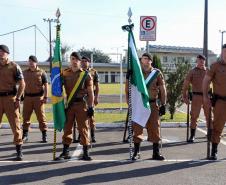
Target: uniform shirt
70	78
195	77
34	80
217	73
95	77
153	89
10	74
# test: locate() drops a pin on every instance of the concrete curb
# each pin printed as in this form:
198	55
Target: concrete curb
117	125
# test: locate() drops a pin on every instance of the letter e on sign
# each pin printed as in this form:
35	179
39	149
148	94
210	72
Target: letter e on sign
148	28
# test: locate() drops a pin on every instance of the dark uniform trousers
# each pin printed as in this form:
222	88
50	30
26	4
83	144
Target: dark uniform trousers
197	104
30	104
77	111
7	106
153	127
92	123
219	120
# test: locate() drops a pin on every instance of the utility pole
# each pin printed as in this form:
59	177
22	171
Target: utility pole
49	20
205	39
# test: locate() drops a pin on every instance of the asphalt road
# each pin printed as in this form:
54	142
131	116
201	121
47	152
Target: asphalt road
185	163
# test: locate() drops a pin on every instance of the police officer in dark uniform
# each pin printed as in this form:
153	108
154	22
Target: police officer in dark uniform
11	75
85	63
35	96
195	78
78	109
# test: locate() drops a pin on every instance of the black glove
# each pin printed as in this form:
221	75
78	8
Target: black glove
129	73
90	112
162	110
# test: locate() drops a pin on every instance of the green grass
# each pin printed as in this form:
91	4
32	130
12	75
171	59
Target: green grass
111	89
111	105
178	117
107	89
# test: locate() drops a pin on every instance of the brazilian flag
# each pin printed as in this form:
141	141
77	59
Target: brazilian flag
59	117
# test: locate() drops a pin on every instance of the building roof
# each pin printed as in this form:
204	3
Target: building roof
175	49
65	64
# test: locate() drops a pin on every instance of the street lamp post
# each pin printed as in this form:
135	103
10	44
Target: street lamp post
121	82
121	74
222	38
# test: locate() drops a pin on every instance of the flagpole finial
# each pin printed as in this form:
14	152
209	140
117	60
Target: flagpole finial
130	26
58	14
130	15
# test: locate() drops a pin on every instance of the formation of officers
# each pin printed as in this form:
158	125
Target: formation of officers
81	110
31	87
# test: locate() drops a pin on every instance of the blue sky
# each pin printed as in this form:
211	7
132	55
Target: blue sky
97	23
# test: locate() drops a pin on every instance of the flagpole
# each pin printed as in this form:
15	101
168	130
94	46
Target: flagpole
55	131
129	29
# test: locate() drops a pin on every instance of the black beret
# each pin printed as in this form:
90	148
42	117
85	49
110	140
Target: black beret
201	56
33	58
76	55
147	55
86	58
4	48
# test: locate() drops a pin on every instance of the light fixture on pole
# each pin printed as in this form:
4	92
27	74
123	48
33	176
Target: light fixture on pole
222	38
49	20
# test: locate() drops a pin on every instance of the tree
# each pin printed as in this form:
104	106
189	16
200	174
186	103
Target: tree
64	49
174	84
156	63
98	56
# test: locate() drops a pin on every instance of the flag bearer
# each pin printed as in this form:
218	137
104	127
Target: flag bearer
77	84
10	76
35	96
156	90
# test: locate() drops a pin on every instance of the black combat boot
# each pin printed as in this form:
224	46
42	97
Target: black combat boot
156	155
77	140
25	135
214	152
65	154
86	156
92	132
192	137
136	154
19	154
44	137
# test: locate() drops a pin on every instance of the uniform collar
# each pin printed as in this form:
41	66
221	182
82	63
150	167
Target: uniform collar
36	69
80	70
204	69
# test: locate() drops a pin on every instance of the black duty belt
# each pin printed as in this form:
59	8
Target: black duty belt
197	93
7	93
152	100
34	94
78	99
218	97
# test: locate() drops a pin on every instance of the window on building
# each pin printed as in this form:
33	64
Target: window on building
164	59
180	59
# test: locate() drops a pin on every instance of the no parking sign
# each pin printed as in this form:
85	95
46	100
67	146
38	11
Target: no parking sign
148	28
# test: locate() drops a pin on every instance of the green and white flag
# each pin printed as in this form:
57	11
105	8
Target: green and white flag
139	94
